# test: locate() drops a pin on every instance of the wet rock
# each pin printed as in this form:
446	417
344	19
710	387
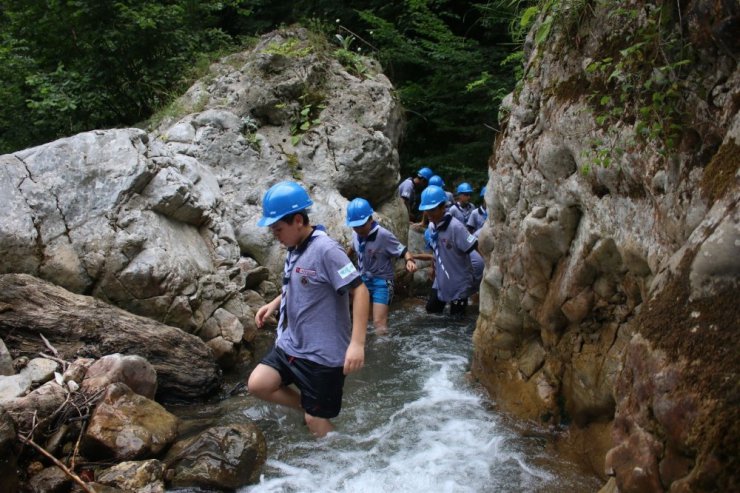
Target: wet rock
225	324
6	361
128	426
635	463
37	408
224	457
8	460
532	359
50	480
577	308
37	371
224	351
132	370
255	276
135	476
717	263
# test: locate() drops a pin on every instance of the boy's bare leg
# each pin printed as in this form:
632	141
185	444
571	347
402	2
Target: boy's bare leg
319	427
265	383
380	318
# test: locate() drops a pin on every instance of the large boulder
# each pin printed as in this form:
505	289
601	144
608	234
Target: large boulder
601	232
159	223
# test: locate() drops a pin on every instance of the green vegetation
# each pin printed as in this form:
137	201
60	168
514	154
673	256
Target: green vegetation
640	83
290	48
68	67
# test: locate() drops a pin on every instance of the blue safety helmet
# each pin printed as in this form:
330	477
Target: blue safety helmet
431	197
281	199
437	181
425	173
464	187
483	191
358	212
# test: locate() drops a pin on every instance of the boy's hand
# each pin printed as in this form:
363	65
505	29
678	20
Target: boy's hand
355	358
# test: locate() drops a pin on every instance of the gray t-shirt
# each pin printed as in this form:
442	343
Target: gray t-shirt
452	245
406	190
379	253
477	218
460	212
318	324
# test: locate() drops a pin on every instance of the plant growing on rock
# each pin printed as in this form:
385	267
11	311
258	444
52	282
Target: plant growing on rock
642	82
305	115
290	48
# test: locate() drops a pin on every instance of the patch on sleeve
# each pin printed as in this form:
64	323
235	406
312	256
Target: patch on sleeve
346	270
400	249
471	238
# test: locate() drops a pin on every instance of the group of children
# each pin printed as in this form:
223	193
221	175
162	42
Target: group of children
318	343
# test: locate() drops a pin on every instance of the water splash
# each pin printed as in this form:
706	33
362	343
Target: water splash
411	422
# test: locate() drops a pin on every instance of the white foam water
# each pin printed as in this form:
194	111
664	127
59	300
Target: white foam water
410	422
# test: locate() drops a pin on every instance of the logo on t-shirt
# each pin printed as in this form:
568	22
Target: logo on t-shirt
305	272
346	270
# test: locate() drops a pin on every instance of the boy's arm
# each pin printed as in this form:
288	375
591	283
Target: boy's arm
355	356
267	310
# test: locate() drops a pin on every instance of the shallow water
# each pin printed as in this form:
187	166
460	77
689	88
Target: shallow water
411	422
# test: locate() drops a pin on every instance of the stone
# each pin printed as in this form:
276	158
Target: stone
255	276
222	457
38	370
127	426
135	476
8	459
634	462
50	480
34	410
6	361
577	308
224	351
532	359
134	371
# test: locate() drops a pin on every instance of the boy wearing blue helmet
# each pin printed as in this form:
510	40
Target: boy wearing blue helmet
376	249
452	245
438	181
411	186
317	343
479	215
462	208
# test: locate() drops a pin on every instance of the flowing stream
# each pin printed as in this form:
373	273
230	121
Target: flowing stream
411	422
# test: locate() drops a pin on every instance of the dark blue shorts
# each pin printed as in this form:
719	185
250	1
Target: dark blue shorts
321	386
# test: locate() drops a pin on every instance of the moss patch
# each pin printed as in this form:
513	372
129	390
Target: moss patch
719	175
570	90
706	333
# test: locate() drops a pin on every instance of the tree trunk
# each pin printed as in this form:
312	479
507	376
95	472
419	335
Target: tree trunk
81	326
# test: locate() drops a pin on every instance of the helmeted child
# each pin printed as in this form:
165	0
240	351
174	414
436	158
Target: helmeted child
462	208
452	245
479	215
438	181
377	250
409	188
317	344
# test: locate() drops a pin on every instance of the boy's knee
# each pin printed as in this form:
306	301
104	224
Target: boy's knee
259	386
